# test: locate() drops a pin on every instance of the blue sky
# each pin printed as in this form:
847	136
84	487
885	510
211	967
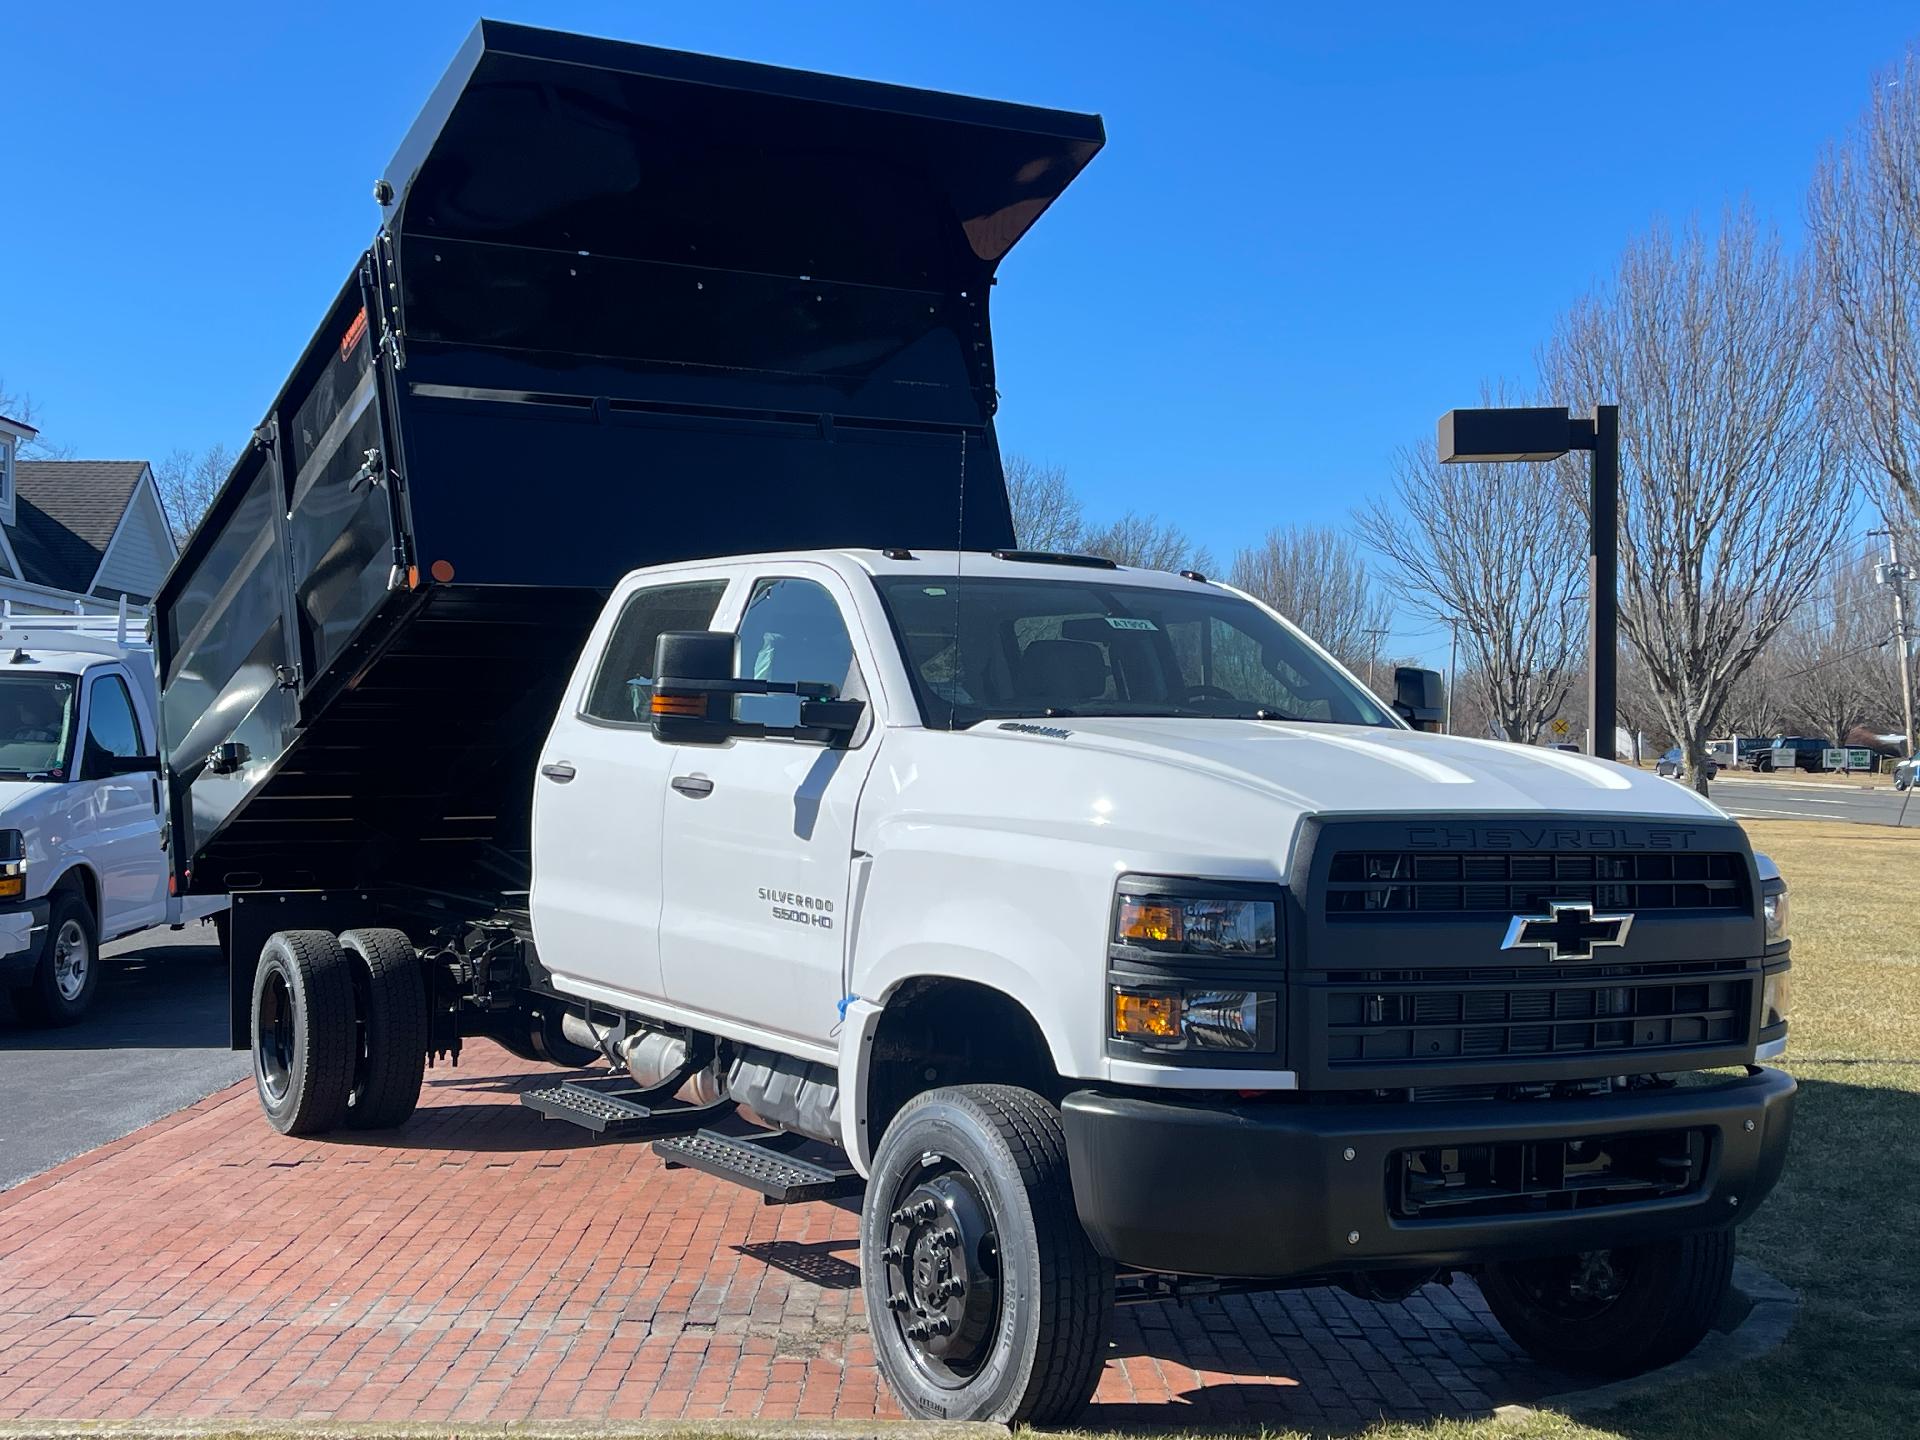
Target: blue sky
1312	230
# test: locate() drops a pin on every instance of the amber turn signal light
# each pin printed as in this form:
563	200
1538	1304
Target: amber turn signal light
1153	1016
1151	920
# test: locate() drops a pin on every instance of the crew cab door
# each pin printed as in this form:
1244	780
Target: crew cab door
759	832
597	799
124	813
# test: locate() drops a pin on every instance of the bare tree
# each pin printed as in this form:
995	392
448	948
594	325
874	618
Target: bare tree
188	482
19	405
1147	542
1317	578
1863	215
1496	551
1047	515
1826	656
1729	481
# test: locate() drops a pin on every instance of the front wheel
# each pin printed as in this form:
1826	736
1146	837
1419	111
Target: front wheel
1613	1312
986	1299
68	974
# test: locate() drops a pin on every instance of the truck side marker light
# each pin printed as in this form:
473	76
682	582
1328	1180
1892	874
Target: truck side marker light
441	570
693	706
413	577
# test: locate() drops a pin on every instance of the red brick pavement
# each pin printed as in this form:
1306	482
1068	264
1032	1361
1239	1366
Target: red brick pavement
481	1264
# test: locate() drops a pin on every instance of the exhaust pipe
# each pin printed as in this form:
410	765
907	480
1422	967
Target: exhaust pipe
652	1057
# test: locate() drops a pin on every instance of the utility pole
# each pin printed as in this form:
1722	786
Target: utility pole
1894	575
1373	653
1453	656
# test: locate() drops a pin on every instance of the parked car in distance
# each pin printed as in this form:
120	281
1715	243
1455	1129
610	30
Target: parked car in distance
1673	765
1791	752
1906	773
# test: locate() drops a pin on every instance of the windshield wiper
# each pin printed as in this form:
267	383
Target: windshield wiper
1263	713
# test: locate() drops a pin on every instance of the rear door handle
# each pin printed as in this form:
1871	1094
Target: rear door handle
559	770
697	787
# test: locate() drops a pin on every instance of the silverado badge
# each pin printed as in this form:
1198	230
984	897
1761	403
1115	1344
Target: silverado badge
1568	931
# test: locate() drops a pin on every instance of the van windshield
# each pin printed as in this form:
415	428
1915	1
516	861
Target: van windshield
36	726
1003	647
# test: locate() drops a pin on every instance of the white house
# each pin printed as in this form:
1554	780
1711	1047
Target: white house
78	535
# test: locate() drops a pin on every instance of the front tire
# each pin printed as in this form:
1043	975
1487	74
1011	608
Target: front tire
390	1011
303	1032
987	1301
68	975
1613	1312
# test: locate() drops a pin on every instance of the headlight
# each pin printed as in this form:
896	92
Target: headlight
13	865
1193	924
1776	999
1773	905
1212	1019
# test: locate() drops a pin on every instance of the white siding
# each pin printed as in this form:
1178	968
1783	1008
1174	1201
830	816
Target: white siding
141	551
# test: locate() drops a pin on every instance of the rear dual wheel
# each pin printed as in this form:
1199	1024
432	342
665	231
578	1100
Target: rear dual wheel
339	1030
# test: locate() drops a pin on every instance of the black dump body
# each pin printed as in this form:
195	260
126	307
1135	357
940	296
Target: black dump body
625	306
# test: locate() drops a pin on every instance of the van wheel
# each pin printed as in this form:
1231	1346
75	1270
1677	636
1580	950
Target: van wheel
303	1032
68	975
986	1299
390	1033
1613	1312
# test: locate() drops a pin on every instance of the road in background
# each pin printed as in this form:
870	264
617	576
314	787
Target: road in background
1760	799
154	1042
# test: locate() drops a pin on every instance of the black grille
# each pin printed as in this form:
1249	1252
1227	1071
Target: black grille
1580	1012
1364	883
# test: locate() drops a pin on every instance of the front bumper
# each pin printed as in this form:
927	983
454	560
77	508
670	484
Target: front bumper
22	928
1264	1189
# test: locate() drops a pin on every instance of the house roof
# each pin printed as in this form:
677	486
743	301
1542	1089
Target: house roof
18	427
65	512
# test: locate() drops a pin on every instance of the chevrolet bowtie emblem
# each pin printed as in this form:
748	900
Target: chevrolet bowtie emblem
1568	931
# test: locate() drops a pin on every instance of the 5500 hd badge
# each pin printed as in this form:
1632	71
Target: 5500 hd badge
799	909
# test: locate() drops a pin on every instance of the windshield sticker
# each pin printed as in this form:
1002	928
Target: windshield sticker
1122	622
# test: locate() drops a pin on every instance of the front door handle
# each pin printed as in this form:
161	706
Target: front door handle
559	770
696	787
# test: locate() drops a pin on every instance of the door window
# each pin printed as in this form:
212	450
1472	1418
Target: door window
792	631
112	729
622	688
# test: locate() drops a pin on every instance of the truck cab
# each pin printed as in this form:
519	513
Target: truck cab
82	851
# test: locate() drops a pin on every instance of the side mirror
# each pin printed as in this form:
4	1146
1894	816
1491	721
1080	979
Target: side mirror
1418	697
693	687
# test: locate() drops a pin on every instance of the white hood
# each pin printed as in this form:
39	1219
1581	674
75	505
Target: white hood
1332	768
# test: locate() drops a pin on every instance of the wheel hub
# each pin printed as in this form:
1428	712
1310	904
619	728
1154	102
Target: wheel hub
941	1264
70	960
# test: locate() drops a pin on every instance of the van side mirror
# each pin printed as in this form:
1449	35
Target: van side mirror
1418	697
694	688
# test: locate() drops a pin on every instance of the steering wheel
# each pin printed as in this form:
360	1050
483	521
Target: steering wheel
1208	692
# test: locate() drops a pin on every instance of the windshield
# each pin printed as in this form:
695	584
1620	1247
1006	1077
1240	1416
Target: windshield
1006	647
36	723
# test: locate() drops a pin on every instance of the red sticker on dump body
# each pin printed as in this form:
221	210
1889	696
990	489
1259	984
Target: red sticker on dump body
354	332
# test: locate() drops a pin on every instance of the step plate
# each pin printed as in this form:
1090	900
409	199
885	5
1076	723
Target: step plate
783	1179
607	1111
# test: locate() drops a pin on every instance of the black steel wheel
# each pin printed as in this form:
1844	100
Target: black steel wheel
390	1027
986	1300
1613	1312
303	1032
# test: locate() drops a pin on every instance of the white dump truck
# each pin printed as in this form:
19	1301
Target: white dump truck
615	644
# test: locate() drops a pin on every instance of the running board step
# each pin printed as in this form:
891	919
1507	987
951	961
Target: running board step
751	1161
612	1106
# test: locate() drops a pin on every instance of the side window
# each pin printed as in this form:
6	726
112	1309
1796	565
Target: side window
622	685
792	631
111	726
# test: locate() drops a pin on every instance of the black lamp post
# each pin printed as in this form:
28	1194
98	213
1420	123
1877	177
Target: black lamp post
1546	432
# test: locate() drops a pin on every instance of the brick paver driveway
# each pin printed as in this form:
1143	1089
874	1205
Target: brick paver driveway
481	1264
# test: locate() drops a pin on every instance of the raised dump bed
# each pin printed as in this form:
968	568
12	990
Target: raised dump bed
624	306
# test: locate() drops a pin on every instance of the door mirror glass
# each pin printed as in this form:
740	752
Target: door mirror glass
1419	697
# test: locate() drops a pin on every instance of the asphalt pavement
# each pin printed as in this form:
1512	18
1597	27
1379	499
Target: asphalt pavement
154	1041
1759	798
